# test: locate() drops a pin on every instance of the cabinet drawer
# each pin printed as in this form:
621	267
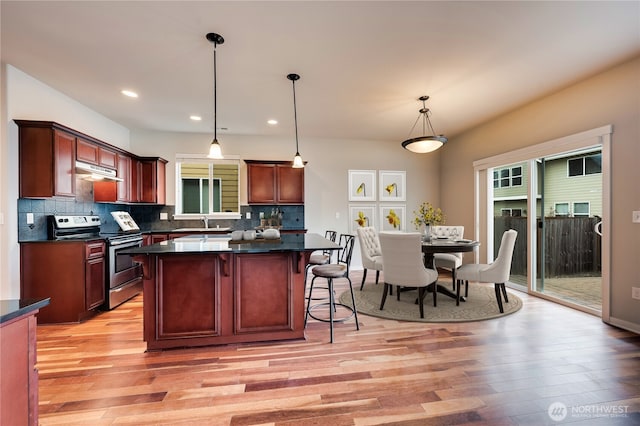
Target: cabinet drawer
93	250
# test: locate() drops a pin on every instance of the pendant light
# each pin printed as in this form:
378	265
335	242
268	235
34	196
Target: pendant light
214	150
425	143
297	160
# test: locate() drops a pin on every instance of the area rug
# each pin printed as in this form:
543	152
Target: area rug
480	305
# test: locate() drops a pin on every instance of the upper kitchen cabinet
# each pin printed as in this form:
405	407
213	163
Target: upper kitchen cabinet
152	180
47	156
94	154
274	182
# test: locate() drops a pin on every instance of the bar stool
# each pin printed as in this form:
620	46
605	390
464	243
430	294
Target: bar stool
320	258
332	271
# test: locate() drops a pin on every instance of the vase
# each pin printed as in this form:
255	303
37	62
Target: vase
426	232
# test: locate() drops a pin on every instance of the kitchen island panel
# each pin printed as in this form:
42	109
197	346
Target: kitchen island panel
188	297
265	293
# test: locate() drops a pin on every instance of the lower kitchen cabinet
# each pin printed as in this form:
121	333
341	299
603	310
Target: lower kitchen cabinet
18	359
71	273
209	299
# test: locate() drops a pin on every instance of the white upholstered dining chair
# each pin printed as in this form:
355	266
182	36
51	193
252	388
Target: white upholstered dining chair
403	266
448	261
369	251
497	272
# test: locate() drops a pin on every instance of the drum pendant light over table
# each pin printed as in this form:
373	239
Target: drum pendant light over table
214	149
425	143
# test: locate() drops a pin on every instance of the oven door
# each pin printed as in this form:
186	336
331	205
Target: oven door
122	267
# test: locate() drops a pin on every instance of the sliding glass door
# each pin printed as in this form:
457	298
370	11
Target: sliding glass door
555	195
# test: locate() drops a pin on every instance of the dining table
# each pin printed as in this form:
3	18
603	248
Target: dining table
444	245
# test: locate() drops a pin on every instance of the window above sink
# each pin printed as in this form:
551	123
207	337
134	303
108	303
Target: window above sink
207	187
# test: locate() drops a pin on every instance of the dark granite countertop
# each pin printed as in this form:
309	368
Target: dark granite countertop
13	308
223	244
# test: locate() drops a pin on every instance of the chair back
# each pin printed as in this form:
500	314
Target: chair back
331	236
346	242
500	270
369	245
446	231
402	259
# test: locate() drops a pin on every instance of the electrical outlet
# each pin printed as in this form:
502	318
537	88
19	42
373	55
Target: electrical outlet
164	216
248	215
635	293
635	218
29	218
337	215
261	215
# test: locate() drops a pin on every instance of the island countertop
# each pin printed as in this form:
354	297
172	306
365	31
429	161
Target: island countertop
207	243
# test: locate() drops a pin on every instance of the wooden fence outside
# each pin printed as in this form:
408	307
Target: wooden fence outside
572	246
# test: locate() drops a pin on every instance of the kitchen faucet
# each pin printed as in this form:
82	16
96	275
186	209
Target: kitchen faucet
206	222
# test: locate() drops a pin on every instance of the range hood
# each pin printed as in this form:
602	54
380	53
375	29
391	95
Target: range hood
95	173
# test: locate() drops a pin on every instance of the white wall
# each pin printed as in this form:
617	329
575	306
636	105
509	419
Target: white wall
24	97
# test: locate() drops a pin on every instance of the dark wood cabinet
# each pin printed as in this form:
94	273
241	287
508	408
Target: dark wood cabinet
153	180
47	157
124	172
71	273
207	299
93	153
18	360
150	239
274	183
47	166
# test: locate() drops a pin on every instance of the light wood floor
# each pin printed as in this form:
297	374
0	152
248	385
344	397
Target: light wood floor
506	371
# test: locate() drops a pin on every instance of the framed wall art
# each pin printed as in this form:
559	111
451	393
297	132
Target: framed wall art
393	185
361	215
393	218
362	185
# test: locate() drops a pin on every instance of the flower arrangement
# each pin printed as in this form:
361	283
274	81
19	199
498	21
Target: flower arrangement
428	215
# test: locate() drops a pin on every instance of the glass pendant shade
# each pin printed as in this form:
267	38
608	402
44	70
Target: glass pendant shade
297	161
215	151
425	143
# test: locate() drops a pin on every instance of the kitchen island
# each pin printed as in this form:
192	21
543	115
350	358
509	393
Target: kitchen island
207	290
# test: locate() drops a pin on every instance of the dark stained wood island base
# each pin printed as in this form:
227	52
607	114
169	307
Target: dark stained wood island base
203	290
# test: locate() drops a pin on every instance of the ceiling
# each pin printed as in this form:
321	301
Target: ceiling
362	64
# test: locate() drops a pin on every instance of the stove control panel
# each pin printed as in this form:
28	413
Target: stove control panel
67	222
125	221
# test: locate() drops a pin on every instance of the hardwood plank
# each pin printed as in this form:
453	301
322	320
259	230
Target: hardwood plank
505	371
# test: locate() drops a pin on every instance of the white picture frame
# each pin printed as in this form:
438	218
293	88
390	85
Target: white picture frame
369	212
399	211
362	185
393	185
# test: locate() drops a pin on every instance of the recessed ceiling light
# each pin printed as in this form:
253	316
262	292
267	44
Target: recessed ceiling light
195	117
129	93
272	122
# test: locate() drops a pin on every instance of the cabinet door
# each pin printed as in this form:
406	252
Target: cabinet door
86	151
64	164
290	185
135	185
94	283
107	158
261	183
124	172
153	177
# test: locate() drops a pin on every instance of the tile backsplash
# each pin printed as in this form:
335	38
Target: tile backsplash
146	216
